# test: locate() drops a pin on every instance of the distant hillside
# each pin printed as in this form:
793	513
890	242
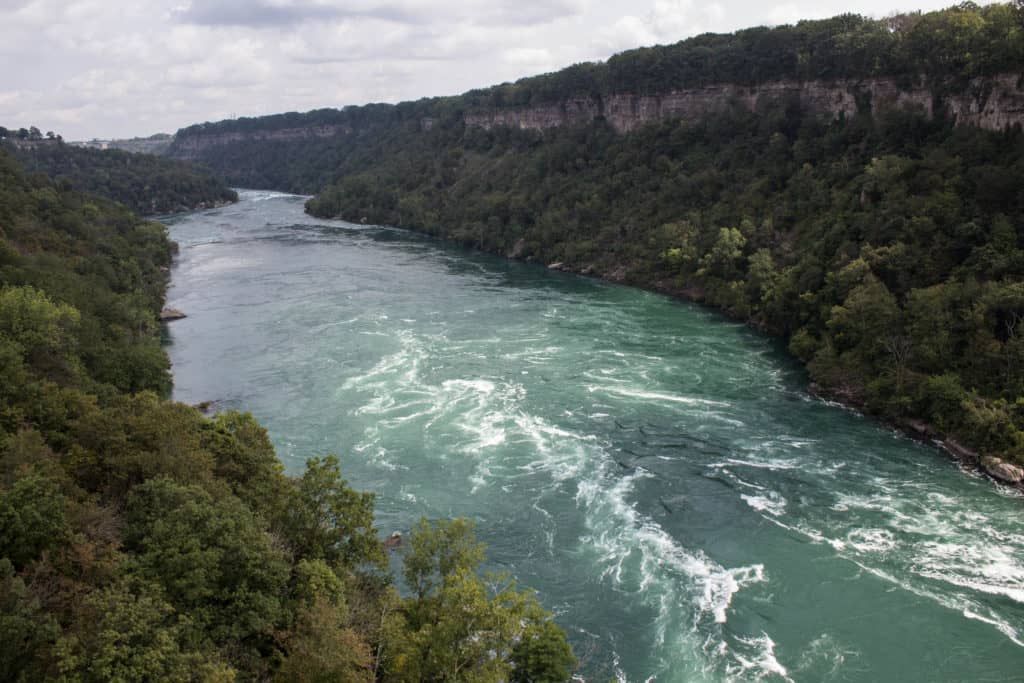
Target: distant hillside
154	144
147	184
963	64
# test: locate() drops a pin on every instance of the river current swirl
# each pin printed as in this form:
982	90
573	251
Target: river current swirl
657	473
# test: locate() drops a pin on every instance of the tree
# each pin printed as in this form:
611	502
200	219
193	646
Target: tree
459	628
26	629
325	519
127	636
724	258
867	317
31	519
44	330
212	559
322	648
437	549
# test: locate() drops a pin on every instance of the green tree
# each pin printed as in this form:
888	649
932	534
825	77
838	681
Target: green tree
125	636
27	631
212	559
31	518
724	260
325	519
459	628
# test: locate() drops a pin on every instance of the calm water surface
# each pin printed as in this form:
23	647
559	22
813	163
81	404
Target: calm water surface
657	473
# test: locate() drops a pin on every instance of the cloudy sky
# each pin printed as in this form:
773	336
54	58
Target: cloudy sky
120	68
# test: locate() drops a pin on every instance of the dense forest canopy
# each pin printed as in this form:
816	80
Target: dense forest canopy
147	184
141	541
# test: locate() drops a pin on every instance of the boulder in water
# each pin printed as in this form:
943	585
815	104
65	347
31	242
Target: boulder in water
168	314
997	468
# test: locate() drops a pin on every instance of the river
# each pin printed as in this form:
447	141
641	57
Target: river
656	472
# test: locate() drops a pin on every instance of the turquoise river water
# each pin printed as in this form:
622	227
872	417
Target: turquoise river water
657	473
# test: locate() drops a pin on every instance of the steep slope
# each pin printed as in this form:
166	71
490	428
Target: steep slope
963	64
146	183
141	541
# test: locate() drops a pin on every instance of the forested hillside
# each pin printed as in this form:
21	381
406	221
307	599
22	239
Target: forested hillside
885	247
142	541
961	56
147	184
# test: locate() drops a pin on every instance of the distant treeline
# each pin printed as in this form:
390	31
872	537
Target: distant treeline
141	541
147	184
946	48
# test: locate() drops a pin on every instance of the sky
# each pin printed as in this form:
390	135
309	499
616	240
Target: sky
123	68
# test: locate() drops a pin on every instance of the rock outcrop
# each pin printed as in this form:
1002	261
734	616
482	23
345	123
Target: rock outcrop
992	103
168	314
191	146
998	468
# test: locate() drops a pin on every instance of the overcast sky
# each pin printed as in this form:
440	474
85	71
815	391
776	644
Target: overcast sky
121	68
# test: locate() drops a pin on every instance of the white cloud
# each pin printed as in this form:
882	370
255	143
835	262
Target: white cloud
117	68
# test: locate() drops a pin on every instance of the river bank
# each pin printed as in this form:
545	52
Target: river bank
917	427
656	471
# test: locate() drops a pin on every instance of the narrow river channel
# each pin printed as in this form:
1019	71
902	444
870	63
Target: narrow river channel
657	473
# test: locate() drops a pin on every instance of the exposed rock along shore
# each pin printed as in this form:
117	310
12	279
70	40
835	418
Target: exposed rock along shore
169	314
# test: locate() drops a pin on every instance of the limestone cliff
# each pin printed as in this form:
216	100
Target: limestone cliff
190	146
993	103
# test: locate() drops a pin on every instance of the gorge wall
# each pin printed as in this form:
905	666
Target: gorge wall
992	103
190	146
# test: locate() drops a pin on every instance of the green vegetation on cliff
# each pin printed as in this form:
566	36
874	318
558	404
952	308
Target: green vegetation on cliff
945	47
141	541
888	249
941	51
147	184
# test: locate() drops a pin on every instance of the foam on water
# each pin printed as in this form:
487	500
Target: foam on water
658	396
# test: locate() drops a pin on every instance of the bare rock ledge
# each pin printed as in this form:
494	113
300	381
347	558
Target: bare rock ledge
169	314
997	468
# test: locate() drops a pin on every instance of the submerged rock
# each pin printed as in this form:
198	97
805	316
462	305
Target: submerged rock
171	314
517	249
961	451
1002	470
205	406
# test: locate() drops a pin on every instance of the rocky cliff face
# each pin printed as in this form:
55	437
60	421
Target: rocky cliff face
992	103
191	146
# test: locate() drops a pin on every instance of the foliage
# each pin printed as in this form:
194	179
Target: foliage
141	541
146	183
458	627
